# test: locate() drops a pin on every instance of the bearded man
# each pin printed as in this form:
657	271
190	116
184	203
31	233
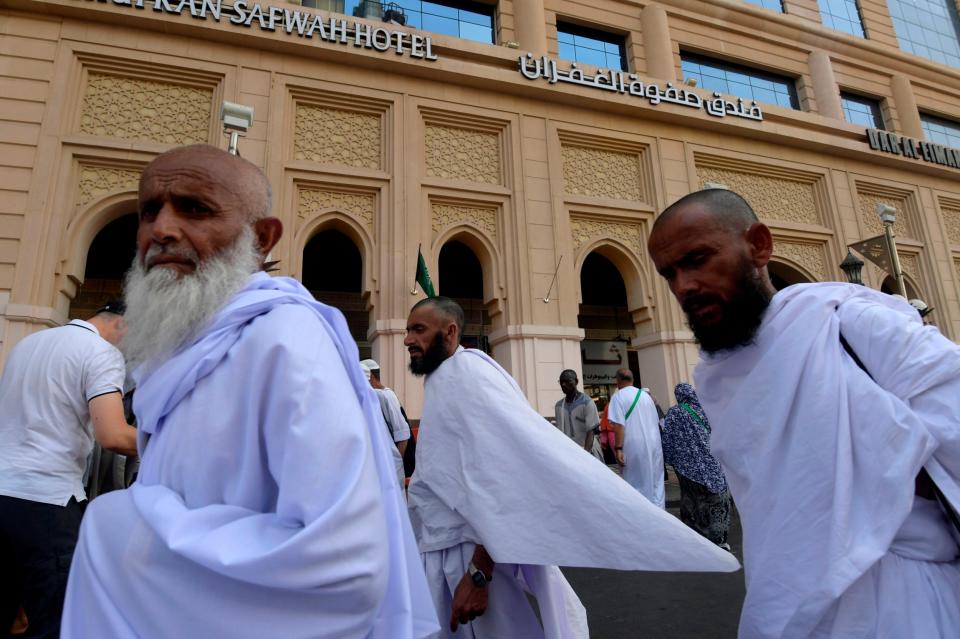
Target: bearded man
832	408
266	504
500	498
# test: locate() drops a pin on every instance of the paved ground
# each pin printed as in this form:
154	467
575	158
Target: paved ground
649	605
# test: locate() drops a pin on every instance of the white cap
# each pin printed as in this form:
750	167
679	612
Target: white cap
921	306
371	364
365	368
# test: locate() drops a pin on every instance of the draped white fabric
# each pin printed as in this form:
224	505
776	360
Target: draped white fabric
267	502
529	494
821	460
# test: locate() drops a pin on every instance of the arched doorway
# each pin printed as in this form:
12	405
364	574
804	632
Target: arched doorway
461	277
607	324
889	286
333	273
108	259
783	275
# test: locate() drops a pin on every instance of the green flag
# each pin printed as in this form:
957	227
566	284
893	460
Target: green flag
423	276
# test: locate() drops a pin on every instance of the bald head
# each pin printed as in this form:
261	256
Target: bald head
713	252
445	307
725	208
243	177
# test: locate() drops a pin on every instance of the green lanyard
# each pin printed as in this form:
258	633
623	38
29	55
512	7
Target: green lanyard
693	414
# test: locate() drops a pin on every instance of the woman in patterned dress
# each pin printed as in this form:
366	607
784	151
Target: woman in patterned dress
704	496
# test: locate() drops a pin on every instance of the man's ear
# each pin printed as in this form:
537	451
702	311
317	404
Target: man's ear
760	244
453	334
268	231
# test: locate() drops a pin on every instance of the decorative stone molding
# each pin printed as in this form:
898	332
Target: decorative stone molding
338	136
453	153
360	206
97	181
956	266
143	109
773	198
910	264
596	172
951	220
446	215
810	256
584	230
870	195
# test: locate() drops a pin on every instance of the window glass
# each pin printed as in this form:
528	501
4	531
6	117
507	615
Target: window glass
591	46
459	18
860	110
773	5
740	81
940	130
842	15
928	28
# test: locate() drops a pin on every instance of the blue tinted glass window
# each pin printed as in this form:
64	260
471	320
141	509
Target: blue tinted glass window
940	130
591	46
928	28
459	18
774	5
740	81
860	110
842	15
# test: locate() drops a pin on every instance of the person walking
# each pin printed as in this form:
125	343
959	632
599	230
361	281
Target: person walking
704	496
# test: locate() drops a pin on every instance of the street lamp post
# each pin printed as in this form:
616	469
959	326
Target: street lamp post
852	267
888	215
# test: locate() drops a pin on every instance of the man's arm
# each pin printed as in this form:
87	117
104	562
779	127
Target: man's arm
110	428
470	600
618	442
592	419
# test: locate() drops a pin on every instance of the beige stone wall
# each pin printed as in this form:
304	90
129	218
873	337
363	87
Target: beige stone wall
399	153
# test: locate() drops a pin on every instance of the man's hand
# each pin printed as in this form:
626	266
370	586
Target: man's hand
469	602
618	453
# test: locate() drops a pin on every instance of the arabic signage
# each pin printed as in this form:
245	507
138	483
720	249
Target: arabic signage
601	360
619	82
911	148
293	22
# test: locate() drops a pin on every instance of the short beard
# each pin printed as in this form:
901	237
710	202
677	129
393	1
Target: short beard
740	317
166	309
435	355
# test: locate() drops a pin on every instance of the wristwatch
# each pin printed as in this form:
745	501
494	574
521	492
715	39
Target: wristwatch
476	575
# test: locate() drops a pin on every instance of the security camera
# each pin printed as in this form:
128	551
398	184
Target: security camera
887	213
236	117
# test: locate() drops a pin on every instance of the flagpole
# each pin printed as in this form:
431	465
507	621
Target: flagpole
413	291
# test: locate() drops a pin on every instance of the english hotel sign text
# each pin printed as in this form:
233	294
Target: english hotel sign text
292	21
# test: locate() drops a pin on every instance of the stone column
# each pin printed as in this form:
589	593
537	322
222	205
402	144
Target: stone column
530	26
825	88
906	104
656	42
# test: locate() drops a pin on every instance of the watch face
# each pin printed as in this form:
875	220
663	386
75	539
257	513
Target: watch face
478	579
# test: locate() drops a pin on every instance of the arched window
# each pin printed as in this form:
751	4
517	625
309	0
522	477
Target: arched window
461	277
783	275
333	273
110	255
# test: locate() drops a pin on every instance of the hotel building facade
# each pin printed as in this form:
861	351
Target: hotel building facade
523	146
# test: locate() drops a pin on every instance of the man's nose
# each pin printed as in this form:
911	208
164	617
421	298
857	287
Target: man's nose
408	340
166	227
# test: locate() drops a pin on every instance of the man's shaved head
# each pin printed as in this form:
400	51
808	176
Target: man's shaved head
713	252
434	329
251	183
729	209
448	308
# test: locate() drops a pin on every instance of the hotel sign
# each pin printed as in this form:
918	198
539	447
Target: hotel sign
630	84
910	148
303	24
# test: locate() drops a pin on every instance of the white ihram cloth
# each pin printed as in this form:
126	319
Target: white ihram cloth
266	505
491	470
642	450
821	462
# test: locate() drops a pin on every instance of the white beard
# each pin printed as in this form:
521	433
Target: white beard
165	308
